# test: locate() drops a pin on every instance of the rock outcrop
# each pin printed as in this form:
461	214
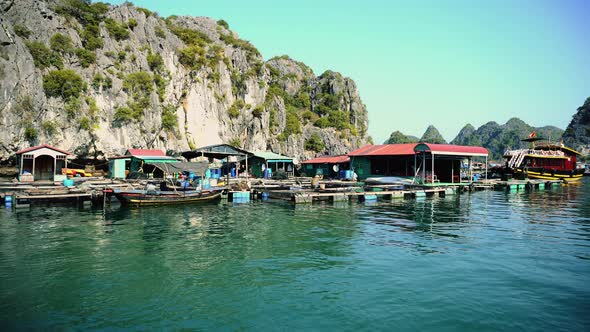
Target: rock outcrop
497	138
96	79
432	135
397	137
577	133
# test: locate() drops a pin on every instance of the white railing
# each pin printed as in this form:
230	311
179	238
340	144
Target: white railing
549	153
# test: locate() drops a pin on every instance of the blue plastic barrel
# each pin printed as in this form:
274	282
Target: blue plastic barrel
348	175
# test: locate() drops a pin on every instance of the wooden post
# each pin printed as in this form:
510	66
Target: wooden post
54	166
33	170
246	168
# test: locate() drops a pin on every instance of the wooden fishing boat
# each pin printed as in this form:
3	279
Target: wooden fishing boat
544	160
159	197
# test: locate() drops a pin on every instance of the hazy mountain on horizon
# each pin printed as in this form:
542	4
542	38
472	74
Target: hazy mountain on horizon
493	136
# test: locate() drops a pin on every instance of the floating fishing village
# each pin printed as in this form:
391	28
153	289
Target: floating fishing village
208	174
297	166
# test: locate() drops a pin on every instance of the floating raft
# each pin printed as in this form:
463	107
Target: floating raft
515	185
302	196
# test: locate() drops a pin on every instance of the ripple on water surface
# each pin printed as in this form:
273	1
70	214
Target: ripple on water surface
482	261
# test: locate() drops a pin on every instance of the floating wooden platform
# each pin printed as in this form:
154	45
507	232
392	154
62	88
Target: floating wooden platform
515	185
305	196
23	200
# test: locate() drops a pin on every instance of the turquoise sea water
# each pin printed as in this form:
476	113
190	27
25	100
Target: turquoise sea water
486	261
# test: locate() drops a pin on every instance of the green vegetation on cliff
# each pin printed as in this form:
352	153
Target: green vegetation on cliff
577	133
498	138
398	137
125	67
63	84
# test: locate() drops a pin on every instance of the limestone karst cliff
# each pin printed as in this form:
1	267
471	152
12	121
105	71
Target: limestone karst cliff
96	79
577	133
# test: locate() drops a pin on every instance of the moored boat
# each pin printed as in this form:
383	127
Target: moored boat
160	197
544	160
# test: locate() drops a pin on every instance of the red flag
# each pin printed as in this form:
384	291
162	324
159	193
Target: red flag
533	134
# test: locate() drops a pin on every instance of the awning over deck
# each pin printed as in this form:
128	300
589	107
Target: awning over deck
272	157
199	167
328	160
452	150
218	151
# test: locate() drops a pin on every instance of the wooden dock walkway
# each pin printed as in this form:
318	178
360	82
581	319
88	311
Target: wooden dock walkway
306	196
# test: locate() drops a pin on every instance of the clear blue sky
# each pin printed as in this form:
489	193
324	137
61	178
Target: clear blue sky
427	62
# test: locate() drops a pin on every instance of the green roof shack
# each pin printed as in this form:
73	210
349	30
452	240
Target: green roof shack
138	161
259	161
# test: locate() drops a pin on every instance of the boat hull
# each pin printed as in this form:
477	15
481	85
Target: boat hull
569	176
136	198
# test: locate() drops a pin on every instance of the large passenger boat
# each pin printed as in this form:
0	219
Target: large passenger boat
544	160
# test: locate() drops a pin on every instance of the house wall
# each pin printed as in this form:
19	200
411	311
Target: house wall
117	169
361	166
366	167
327	169
255	164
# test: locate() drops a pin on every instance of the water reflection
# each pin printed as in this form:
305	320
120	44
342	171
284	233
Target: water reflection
223	265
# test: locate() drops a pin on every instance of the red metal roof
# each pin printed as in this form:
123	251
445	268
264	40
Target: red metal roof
385	150
408	149
41	147
328	160
145	153
457	149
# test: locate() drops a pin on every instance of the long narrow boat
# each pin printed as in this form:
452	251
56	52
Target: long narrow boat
544	160
158	197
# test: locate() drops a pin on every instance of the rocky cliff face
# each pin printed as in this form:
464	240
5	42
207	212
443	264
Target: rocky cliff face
97	79
577	133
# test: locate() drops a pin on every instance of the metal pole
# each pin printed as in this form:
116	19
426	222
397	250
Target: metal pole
33	170
469	172
423	167
21	165
452	171
486	167
415	168
432	176
246	167
54	167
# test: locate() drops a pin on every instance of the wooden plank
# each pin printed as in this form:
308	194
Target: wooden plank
58	196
